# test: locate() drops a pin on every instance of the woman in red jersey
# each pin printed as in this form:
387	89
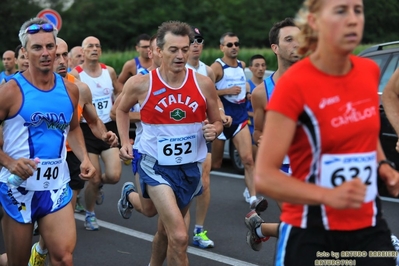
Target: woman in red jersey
325	114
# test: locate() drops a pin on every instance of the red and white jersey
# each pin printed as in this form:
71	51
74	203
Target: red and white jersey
336	138
102	91
172	121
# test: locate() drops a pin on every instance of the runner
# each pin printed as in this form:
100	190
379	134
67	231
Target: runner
102	81
331	200
169	130
44	196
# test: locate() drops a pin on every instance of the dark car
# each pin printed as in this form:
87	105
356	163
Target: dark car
386	55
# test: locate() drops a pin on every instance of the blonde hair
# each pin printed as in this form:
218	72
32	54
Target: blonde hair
307	37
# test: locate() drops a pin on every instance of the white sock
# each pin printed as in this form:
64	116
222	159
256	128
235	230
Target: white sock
259	232
40	250
252	199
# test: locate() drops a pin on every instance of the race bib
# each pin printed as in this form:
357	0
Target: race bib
48	175
339	168
103	104
177	150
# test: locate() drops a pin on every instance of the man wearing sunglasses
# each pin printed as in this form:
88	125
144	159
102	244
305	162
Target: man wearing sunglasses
200	237
139	63
38	110
231	88
104	86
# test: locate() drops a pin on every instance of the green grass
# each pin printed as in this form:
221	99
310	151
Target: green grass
116	59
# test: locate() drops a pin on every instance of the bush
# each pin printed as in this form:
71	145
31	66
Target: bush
117	59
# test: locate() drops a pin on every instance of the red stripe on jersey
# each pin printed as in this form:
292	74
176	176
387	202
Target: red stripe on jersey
166	105
79	69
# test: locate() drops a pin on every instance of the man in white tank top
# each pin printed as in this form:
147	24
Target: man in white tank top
104	86
230	85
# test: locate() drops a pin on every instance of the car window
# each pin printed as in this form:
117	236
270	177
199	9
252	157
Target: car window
393	64
380	59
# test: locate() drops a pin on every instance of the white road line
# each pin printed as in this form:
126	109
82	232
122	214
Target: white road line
227	174
194	251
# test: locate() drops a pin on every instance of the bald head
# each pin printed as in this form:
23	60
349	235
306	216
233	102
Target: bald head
61	57
59	41
90	40
91	49
75	57
9	61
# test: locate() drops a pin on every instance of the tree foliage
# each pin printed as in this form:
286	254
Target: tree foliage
118	23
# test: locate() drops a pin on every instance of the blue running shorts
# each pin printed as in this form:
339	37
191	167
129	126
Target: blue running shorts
185	179
27	206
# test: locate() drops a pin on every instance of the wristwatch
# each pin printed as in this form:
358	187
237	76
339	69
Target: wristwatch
390	163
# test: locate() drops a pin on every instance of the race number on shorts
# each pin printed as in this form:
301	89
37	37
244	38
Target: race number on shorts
177	150
339	168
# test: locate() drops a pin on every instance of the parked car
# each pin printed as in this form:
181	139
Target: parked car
386	55
230	151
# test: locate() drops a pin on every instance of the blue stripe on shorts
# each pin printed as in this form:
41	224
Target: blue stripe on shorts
27	206
135	161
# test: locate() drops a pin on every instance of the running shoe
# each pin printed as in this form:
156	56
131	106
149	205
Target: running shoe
253	221
201	240
91	223
36	259
100	195
79	207
125	209
259	205
246	195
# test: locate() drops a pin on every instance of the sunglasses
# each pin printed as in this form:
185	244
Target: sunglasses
197	40
35	28
230	44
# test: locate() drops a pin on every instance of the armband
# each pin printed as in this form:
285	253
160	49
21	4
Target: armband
390	163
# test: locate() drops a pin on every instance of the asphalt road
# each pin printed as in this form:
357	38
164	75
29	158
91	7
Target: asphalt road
128	242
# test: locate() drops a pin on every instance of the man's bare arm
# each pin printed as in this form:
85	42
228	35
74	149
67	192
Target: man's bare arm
258	101
128	70
133	116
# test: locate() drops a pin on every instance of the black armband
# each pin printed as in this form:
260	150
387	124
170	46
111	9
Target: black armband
390	163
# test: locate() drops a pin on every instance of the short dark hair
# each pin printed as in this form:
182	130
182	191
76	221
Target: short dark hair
176	28
142	37
274	33
17	50
229	33
254	57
